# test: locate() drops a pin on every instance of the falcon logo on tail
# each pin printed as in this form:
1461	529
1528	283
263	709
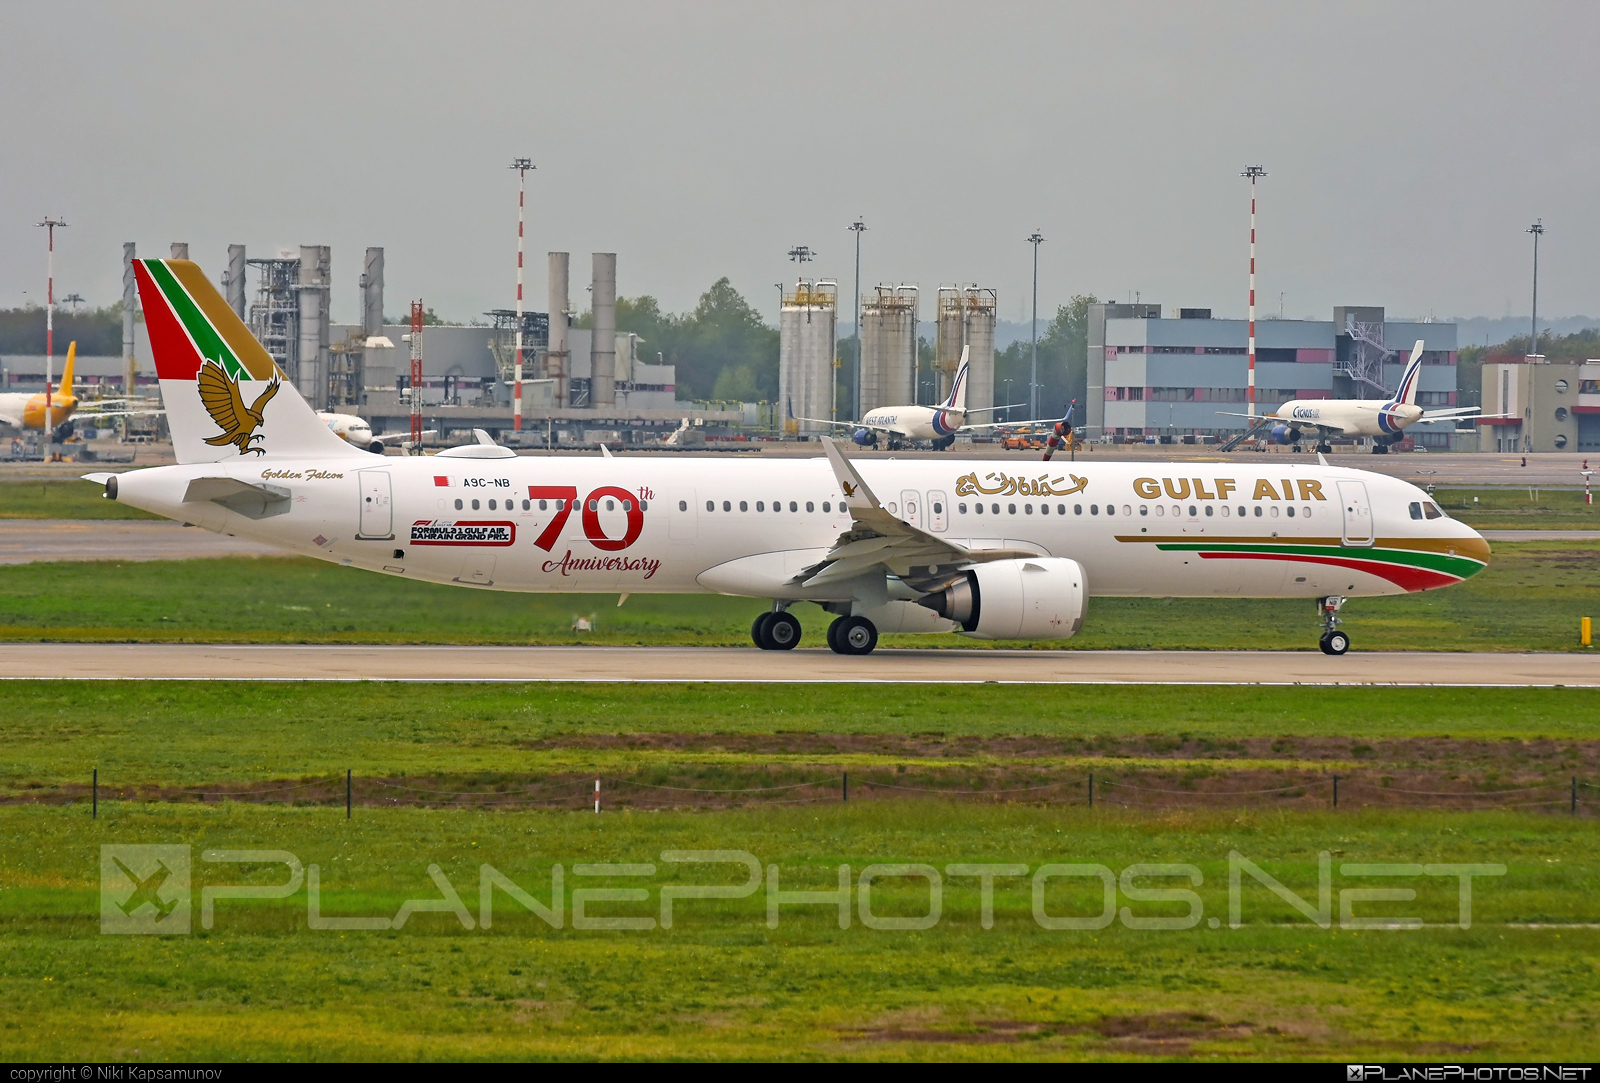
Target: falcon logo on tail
225	404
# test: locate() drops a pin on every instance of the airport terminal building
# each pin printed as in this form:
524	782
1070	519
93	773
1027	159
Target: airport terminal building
1184	374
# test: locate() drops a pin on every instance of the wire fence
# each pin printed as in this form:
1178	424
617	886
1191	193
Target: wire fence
590	792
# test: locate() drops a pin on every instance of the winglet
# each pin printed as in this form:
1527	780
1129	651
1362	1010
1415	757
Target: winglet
858	497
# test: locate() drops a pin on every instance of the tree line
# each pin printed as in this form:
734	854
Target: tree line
98	331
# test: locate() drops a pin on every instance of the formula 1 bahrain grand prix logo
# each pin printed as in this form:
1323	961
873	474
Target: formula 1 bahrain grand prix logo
1006	485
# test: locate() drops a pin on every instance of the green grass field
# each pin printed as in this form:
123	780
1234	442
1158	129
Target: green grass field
63	499
1521	983
1520	509
1529	598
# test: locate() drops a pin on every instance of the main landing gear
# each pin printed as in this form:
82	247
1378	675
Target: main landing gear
852	635
776	631
1333	641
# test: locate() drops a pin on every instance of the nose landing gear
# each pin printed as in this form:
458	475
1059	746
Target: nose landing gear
1333	641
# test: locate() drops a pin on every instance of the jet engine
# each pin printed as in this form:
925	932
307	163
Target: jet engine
1285	434
1032	598
865	437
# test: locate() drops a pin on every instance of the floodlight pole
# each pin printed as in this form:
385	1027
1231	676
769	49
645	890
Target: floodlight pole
49	225
1537	229
1035	239
858	227
521	165
1253	172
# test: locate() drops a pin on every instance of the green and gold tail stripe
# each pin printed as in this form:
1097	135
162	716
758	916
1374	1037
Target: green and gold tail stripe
216	329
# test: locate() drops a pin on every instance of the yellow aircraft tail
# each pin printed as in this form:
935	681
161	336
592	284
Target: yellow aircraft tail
66	373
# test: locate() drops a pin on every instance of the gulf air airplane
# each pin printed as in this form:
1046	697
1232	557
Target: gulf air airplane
992	549
938	425
1383	419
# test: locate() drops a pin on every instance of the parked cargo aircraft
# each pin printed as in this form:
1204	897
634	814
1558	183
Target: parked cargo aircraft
30	410
900	425
992	549
1385	420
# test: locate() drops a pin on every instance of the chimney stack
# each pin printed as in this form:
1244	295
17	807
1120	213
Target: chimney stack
603	339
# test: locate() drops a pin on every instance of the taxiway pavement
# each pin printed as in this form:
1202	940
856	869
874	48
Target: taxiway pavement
669	664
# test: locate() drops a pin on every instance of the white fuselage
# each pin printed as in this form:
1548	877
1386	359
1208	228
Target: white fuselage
348	427
660	524
915	422
1352	417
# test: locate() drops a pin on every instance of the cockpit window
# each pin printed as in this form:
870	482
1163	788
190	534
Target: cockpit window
1433	511
1416	509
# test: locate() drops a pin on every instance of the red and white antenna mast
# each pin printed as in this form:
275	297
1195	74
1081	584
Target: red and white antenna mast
50	224
1253	172
521	165
416	377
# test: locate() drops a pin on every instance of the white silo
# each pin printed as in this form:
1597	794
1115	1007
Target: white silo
807	334
967	318
889	347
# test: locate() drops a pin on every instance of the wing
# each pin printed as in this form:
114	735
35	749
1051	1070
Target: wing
1048	422
879	540
222	400
820	421
992	409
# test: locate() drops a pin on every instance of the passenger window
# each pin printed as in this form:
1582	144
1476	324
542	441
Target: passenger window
1176	511
544	505
1028	508
526	505
1144	509
627	505
594	505
1274	511
1094	509
644	505
611	506
491	505
458	503
825	506
1161	509
1061	509
683	505
962	508
977	509
1194	513
1305	512
711	505
1077	509
810	506
1224	511
994	509
938	507
1241	511
1416	510
474	505
793	506
728	505
1044	509
761	505
1290	510
1011	509
1209	510
744	505
1258	511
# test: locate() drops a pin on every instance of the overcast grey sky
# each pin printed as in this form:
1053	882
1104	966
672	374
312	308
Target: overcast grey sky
1408	146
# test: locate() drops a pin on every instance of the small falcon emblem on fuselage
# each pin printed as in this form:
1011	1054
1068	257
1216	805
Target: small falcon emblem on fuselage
222	400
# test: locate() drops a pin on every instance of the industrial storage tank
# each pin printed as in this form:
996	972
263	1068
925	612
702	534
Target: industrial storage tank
807	334
967	317
889	347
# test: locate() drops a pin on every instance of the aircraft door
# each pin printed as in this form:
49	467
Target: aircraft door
938	511
1357	513
682	515
477	566
377	512
911	507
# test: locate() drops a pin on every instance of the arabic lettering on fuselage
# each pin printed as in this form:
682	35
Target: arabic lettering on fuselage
1006	485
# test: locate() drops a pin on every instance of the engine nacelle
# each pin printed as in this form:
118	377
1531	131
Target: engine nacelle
865	437
1033	598
1283	434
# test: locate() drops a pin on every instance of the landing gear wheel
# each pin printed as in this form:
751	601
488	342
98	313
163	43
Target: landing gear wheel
783	632
758	631
1334	643
856	635
1325	449
833	635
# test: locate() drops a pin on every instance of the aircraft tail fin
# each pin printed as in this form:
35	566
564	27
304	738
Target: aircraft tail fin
958	388
224	395
1407	392
66	373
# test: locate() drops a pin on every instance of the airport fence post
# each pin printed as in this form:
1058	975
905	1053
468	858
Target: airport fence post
1335	791
348	776
1091	789
94	789
846	790
1574	795
597	797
